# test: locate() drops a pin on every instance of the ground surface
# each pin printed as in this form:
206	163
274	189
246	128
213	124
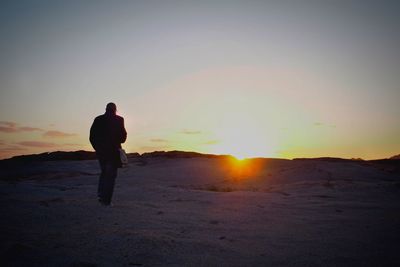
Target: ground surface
202	212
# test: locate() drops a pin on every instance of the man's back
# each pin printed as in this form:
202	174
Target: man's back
106	135
107	130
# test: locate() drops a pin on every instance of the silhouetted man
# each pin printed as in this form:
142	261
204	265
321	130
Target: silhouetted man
106	135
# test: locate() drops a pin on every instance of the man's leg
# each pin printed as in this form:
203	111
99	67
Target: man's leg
110	173
102	180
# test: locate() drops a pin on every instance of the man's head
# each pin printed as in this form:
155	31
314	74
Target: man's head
111	108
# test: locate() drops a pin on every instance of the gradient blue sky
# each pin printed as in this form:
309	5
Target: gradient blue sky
250	78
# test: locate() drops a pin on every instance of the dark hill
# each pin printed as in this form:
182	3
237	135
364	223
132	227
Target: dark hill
177	154
53	156
396	157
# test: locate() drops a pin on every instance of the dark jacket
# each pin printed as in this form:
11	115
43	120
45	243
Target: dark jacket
106	135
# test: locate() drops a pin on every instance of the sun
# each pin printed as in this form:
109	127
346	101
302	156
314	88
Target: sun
240	157
243	132
242	153
244	143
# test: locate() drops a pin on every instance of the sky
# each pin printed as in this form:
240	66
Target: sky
280	79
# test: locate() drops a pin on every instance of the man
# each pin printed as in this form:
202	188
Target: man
106	135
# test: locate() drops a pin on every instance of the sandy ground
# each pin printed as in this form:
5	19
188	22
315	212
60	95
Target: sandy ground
202	212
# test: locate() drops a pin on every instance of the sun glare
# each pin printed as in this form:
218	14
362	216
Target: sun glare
244	143
240	157
240	169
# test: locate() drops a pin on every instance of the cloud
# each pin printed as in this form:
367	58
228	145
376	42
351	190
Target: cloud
8	123
11	148
191	131
58	134
318	124
5	147
6	129
29	129
151	148
37	144
211	142
11	127
158	140
71	144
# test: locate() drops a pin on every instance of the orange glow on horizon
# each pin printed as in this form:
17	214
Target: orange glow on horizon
240	169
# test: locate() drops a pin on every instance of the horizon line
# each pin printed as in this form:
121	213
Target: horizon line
201	153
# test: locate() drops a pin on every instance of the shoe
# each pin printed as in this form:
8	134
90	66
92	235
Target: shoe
105	203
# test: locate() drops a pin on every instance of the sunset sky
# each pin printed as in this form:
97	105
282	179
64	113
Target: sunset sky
249	78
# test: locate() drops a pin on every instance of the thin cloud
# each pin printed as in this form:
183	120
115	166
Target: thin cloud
8	123
151	148
30	129
158	140
72	144
191	131
11	127
211	142
11	148
37	144
58	134
6	129
6	147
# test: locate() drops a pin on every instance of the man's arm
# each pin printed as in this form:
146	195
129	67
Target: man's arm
93	133
123	131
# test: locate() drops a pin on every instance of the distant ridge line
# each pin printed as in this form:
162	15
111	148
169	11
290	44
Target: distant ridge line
331	159
91	155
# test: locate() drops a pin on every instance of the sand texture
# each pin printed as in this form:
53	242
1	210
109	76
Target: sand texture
202	212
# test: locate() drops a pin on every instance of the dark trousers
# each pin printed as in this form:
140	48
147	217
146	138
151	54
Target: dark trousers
106	181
